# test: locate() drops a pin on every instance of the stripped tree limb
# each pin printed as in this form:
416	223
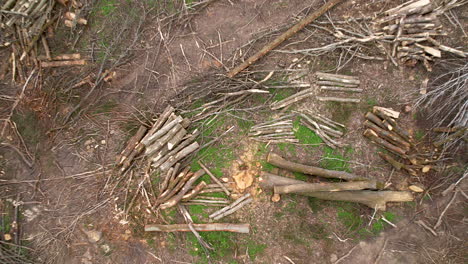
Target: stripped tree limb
328	187
293	99
376	139
134	140
278	161
236	228
338	99
233	209
175	199
235	203
213	177
388	135
286	35
195	191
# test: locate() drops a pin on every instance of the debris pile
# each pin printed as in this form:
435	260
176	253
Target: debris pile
338	84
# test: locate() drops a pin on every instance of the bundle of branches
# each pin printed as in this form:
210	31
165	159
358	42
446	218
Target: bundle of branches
356	189
305	93
274	131
217	92
447	104
327	129
407	33
165	144
383	130
340	84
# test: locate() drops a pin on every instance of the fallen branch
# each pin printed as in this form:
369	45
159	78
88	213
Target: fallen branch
236	228
234	204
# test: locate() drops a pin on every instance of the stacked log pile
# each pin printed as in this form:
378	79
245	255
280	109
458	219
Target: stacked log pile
328	130
413	27
164	145
355	189
279	130
383	130
339	85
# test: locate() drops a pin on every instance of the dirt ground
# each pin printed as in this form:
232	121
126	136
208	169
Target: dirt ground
69	214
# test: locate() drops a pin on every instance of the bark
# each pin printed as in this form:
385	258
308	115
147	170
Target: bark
213	177
278	161
376	139
180	155
286	35
237	228
134	140
327	187
338	99
177	198
388	135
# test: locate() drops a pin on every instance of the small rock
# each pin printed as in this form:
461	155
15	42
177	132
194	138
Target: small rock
103	142
94	235
105	248
333	258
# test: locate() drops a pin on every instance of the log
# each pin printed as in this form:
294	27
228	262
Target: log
213	177
161	132
175	186
134	140
327	187
341	89
164	155
460	133
278	161
374	199
195	191
286	35
338	99
388	135
391	124
62	63
330	83
180	155
376	139
167	179
159	143
161	120
268	181
376	120
293	99
177	198
236	228
386	111
446	129
337	78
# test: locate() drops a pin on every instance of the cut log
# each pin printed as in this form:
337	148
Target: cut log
376	139
268	181
179	156
328	187
177	198
176	139
167	179
195	191
161	132
236	228
388	135
132	143
341	89
337	78
278	161
392	125
159	143
387	111
329	83
338	99
286	35
376	120
163	155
